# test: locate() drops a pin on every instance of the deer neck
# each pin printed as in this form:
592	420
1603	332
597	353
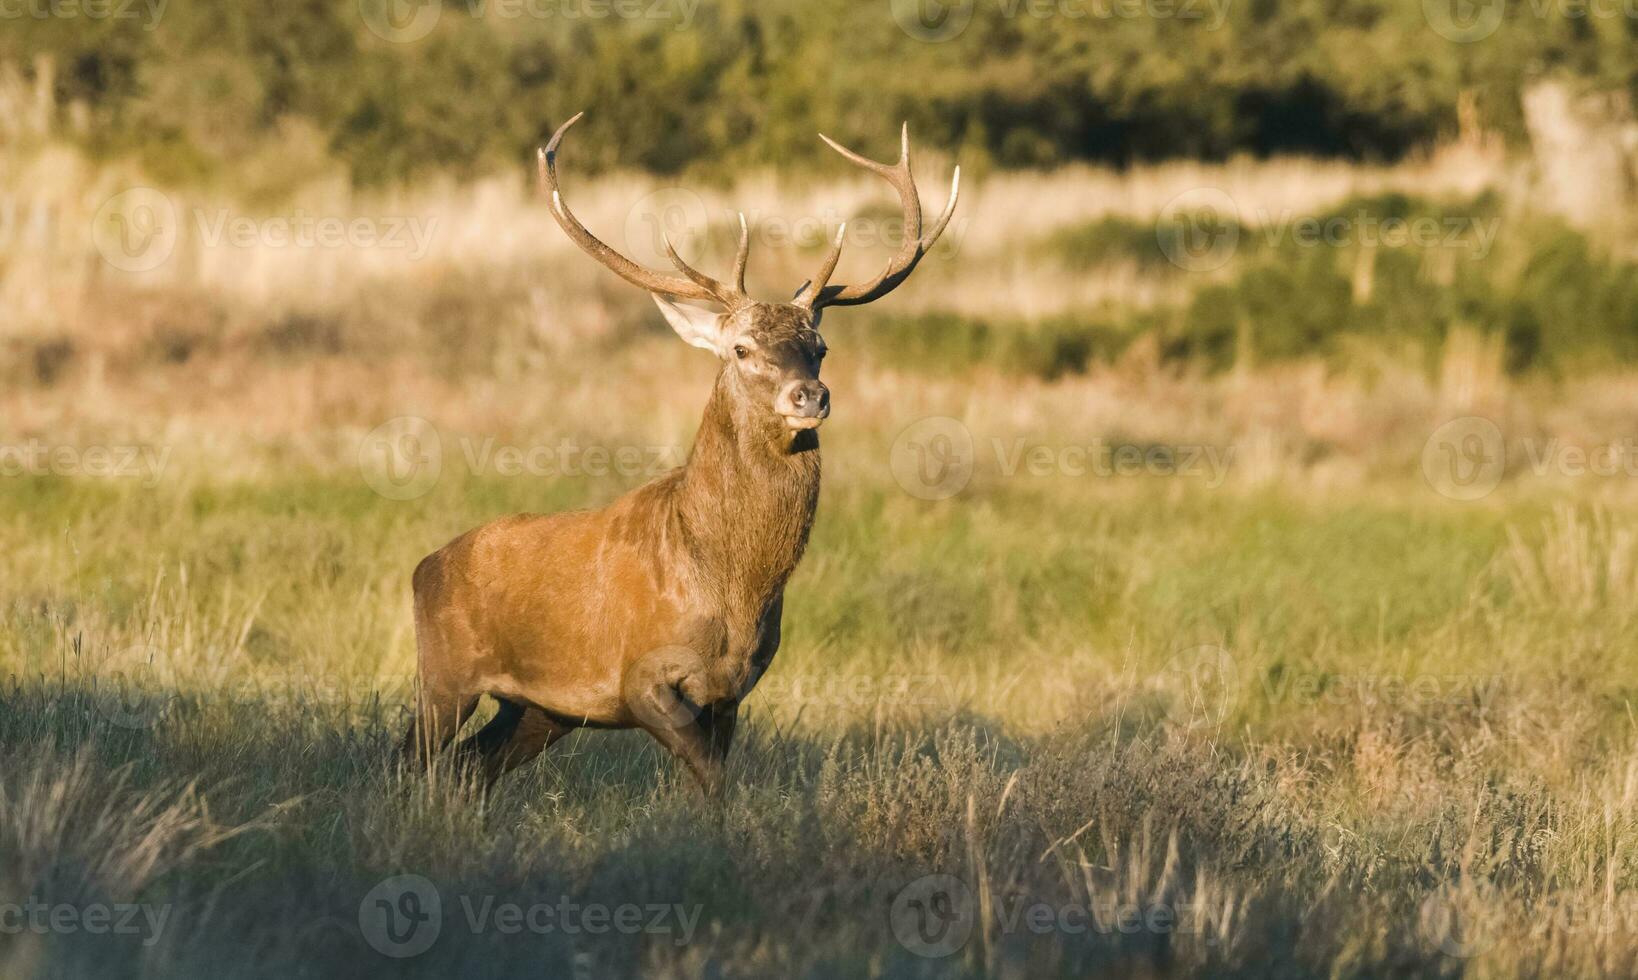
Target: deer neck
746	502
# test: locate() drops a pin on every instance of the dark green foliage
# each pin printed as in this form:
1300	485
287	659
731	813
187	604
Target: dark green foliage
1319	284
941	342
1024	84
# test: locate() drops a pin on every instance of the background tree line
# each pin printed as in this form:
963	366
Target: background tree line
206	88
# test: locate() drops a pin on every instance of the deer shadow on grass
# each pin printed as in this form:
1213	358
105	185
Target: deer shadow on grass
797	868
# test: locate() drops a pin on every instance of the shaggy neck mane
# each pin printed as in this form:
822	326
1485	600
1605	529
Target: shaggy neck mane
745	502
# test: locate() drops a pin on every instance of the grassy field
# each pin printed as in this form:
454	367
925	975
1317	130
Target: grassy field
1184	722
1121	647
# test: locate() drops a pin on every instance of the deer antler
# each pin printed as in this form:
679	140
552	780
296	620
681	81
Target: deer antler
817	292
696	285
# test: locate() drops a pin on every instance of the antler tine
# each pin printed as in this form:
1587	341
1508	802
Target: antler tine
915	244
743	255
695	286
719	292
815	287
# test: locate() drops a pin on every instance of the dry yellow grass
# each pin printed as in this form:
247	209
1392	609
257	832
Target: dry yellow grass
1343	723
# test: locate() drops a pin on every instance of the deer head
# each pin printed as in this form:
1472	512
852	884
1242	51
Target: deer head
771	351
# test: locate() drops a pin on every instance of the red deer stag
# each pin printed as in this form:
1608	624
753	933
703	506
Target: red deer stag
661	610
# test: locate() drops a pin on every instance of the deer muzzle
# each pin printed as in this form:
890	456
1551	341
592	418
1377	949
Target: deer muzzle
804	404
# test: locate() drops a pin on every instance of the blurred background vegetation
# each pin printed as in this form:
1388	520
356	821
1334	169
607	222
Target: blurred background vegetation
725	82
1072	119
1132	266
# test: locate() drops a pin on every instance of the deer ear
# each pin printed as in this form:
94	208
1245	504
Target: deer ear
701	328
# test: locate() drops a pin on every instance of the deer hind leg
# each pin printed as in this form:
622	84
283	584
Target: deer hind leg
535	732
438	719
517	734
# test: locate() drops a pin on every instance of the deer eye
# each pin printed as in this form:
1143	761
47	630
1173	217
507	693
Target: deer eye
740	352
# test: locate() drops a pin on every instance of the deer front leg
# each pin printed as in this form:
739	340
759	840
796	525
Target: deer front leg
719	722
692	745
703	744
681	698
698	735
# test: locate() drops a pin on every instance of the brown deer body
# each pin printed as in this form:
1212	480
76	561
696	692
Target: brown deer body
661	610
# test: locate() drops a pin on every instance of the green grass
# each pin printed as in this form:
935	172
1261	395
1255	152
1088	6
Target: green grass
1002	688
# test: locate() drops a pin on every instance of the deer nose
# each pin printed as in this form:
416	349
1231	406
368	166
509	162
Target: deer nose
805	399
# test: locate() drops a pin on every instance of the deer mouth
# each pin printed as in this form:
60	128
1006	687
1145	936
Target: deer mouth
800	422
